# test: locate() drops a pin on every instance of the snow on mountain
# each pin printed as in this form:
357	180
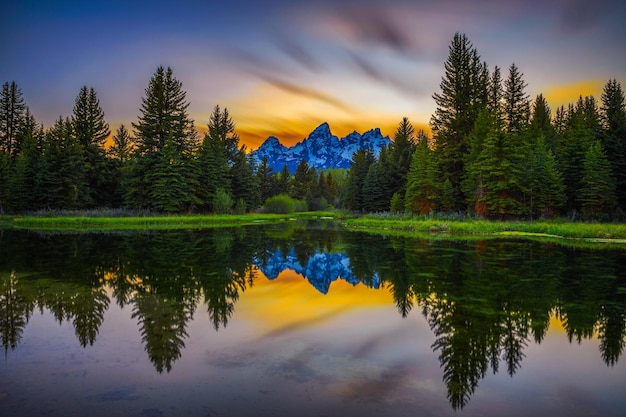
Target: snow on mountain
321	149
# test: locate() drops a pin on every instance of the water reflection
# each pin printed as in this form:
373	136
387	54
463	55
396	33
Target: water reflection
485	301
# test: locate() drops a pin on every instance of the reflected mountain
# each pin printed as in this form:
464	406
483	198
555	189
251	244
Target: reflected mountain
485	301
320	270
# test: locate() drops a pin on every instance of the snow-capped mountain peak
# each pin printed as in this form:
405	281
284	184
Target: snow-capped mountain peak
321	149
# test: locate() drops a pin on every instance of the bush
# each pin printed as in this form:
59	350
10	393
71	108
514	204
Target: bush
280	204
222	202
240	207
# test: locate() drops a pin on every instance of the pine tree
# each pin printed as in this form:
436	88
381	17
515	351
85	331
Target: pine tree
23	187
284	181
499	169
12	118
169	191
464	94
265	179
245	187
91	131
62	172
217	155
541	122
573	143
542	182
121	149
597	185
424	182
551	198
375	192
90	128
4	179
516	101
614	135
400	156
301	181
352	196
163	121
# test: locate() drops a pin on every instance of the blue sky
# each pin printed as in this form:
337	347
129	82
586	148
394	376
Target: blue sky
284	67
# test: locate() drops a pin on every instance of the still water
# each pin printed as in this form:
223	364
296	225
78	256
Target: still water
307	320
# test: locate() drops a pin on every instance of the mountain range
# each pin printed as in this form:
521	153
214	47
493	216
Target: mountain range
321	149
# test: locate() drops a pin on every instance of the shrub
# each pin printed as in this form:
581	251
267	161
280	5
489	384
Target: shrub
240	207
222	202
281	204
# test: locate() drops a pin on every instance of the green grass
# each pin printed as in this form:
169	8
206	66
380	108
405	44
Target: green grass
555	229
61	222
559	231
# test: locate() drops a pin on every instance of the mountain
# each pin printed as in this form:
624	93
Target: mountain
321	149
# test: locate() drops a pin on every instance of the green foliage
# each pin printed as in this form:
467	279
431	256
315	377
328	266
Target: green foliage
163	122
397	203
222	202
352	197
12	119
516	102
121	149
169	192
464	94
597	185
424	181
284	204
614	138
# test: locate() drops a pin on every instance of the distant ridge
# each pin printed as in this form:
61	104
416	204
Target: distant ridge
321	149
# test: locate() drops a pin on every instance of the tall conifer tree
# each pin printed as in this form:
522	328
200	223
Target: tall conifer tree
163	121
516	101
12	118
464	94
614	137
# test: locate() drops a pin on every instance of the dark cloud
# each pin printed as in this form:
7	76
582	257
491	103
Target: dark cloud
305	92
372	25
402	84
581	15
288	44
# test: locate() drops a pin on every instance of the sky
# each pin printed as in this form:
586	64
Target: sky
283	67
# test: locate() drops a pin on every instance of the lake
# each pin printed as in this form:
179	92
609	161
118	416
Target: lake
305	319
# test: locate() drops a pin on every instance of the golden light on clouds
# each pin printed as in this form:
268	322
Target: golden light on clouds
564	94
291	113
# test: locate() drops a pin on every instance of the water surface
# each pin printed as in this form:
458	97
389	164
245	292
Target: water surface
307	320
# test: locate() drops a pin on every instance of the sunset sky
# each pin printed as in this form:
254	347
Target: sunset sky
283	67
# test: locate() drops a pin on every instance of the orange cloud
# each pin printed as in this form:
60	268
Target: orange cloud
564	94
291	112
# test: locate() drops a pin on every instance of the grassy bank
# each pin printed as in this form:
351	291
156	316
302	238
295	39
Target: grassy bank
430	228
555	229
60	222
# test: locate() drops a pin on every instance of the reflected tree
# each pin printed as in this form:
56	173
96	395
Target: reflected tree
162	323
15	311
89	306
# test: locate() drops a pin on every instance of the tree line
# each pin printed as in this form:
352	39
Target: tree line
497	154
161	164
494	153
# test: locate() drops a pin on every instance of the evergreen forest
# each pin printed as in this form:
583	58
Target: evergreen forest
494	153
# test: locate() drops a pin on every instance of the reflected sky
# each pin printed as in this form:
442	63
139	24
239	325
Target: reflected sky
207	333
